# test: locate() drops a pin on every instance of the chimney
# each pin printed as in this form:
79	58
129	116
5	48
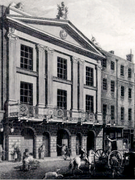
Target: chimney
111	51
130	56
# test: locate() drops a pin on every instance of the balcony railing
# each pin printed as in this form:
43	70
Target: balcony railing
35	113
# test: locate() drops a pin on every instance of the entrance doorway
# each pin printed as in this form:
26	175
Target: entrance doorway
62	139
78	143
46	144
90	141
27	141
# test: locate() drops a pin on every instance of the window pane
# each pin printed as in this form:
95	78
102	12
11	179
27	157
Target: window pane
89	103
112	86
89	76
122	70
62	99
62	68
26	59
105	84
26	93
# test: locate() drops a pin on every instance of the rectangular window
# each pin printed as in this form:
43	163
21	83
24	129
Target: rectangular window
129	93
26	55
112	86
89	103
112	112
129	114
104	63
129	73
122	113
112	65
104	111
89	76
26	93
105	84
62	68
122	70
61	99
122	91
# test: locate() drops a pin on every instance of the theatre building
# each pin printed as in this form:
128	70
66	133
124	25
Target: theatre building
50	85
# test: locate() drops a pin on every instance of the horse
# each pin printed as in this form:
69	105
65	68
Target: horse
76	162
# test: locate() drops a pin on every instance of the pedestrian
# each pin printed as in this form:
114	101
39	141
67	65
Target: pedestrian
25	159
82	154
112	144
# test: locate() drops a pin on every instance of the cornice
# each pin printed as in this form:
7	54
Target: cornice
26	72
90	87
56	79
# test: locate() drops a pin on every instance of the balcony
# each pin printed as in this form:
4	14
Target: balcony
107	121
127	123
35	113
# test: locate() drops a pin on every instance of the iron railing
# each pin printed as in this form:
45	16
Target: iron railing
35	113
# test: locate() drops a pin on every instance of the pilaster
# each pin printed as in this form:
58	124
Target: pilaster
50	53
81	84
99	114
41	75
75	84
12	65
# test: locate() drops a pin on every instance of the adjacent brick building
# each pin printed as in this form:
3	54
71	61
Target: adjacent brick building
117	97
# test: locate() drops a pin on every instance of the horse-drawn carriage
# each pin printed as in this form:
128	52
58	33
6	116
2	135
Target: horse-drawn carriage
112	158
109	160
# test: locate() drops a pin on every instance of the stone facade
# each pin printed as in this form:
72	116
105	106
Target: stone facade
41	122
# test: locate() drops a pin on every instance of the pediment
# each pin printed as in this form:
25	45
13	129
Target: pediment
60	32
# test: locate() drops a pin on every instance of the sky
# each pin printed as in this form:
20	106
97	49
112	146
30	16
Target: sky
111	22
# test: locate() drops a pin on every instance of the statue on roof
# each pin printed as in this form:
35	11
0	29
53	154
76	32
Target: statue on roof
17	6
94	41
62	11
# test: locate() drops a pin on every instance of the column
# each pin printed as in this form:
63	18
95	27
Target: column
49	77
98	98
41	75
12	65
73	145
81	84
75	84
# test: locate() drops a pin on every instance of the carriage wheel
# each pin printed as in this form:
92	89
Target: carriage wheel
100	156
115	159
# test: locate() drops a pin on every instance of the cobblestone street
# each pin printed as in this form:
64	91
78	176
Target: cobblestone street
11	170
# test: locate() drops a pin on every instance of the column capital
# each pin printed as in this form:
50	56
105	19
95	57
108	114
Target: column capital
11	34
81	61
40	47
75	59
99	64
49	50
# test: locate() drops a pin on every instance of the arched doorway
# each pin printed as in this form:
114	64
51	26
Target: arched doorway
78	143
62	138
28	140
90	141
46	144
